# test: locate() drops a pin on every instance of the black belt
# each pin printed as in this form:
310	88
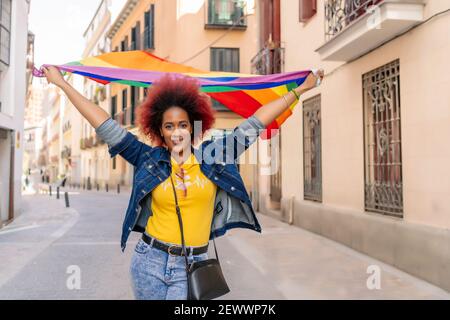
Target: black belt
173	250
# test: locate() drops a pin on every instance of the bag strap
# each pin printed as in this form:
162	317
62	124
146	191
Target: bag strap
180	221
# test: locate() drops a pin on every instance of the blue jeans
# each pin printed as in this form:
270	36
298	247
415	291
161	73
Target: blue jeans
156	275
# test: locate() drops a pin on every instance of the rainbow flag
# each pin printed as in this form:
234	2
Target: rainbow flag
241	93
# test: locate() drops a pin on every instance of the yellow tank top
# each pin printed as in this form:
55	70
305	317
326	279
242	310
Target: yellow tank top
196	200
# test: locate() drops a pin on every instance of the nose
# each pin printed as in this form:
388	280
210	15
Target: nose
177	132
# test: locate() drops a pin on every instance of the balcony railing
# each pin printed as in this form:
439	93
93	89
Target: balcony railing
99	140
82	144
89	142
268	61
66	153
119	117
353	28
341	13
125	117
128	117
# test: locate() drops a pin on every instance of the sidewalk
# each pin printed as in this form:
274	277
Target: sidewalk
286	262
42	221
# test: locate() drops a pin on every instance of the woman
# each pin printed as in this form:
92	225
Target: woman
210	191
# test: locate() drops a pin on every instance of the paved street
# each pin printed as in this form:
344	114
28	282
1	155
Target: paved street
284	262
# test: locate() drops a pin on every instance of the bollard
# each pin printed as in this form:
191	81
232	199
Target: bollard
118	188
66	197
98	187
106	187
50	190
57	192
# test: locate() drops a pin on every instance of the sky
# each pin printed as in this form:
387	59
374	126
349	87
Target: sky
59	25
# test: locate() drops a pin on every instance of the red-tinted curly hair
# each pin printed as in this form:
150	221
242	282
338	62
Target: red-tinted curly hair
170	91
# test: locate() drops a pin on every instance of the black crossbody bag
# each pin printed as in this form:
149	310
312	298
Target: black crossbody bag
204	278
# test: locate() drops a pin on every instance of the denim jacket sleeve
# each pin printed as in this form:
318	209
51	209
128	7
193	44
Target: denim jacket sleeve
122	142
233	145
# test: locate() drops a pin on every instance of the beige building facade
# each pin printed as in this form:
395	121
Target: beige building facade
195	33
364	157
95	161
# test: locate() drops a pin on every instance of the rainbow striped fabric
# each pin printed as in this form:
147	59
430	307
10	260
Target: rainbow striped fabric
241	93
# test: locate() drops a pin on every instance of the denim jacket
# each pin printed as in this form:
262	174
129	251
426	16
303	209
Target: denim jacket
152	166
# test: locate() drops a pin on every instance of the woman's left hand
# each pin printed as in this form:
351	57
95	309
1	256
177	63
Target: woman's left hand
312	80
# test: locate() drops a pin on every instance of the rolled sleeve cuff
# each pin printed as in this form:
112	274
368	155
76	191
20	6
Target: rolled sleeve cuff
252	127
122	145
111	132
256	123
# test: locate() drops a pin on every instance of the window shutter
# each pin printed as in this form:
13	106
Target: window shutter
308	8
152	26
138	35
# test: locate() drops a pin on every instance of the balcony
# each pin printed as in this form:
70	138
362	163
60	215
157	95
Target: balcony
268	60
128	117
89	142
119	117
355	27
125	117
99	140
66	153
82	144
226	13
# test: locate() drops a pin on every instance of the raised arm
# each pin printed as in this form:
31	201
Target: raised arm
232	146
119	140
271	111
89	110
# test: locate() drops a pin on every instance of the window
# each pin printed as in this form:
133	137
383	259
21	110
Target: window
135	37
124	105
275	177
226	13
312	149
113	106
124	44
225	59
5	31
134	101
382	136
307	9
149	28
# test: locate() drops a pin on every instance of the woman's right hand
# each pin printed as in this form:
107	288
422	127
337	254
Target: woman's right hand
54	76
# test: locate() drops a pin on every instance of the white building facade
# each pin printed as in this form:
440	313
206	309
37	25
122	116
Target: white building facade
13	56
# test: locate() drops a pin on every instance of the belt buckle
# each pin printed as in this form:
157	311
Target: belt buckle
170	253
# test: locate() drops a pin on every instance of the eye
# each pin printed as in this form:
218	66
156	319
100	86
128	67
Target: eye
184	125
168	126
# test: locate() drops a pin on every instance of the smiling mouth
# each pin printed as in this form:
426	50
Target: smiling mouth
177	140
